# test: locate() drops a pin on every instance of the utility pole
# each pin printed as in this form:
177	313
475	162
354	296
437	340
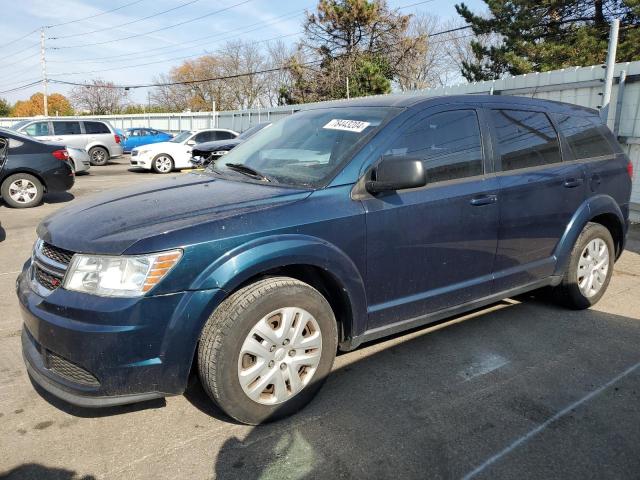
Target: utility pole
43	61
611	63
347	87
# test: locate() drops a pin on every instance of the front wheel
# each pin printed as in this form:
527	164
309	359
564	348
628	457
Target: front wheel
266	350
162	163
590	268
22	190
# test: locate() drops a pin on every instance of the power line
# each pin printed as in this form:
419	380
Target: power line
22	87
37	44
109	59
164	60
126	23
94	16
156	30
20	38
183	82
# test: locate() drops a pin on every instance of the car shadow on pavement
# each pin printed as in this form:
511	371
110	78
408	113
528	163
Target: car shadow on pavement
35	471
443	401
3	234
58	197
96	412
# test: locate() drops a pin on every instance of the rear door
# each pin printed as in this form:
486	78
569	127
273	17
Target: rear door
433	247
539	193
69	133
98	132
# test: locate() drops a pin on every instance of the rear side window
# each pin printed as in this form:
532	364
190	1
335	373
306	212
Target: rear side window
66	128
37	129
525	139
584	136
95	128
448	143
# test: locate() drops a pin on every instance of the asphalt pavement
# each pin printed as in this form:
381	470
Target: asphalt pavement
523	389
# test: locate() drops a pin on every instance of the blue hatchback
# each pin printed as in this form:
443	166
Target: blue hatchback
340	224
136	137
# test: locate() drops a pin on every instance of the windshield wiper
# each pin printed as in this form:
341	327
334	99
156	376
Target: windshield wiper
248	171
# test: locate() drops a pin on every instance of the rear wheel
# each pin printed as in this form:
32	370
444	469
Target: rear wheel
22	190
99	156
266	350
162	163
590	268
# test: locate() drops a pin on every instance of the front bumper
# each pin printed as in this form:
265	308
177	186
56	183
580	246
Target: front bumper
141	161
94	351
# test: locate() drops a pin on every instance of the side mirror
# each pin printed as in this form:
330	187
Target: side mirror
396	173
191	142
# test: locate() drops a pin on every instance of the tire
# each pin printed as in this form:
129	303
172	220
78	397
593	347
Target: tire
229	332
574	291
22	190
99	156
162	163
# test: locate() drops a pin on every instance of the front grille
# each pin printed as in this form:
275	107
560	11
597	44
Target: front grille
57	254
48	281
69	370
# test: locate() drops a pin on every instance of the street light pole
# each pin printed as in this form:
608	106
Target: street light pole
43	61
611	64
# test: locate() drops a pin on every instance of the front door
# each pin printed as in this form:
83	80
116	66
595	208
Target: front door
433	247
539	195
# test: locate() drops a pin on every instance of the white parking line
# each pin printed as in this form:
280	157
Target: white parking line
10	273
542	426
488	363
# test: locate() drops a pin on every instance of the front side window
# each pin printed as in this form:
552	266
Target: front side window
66	128
307	149
38	129
95	128
205	137
584	136
525	139
448	143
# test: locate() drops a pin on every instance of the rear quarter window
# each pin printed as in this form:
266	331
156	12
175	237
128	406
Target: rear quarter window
95	128
584	135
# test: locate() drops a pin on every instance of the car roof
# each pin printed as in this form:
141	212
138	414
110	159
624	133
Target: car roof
422	101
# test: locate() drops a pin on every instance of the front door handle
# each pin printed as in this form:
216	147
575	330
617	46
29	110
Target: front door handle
572	182
483	200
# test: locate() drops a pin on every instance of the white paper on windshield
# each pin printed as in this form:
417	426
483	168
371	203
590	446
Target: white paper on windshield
347	125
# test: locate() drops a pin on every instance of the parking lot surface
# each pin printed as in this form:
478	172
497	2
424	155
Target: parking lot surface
523	389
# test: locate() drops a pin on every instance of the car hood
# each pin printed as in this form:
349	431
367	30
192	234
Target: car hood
216	145
112	222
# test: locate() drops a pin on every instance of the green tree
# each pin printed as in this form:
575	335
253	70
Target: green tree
5	108
544	35
361	40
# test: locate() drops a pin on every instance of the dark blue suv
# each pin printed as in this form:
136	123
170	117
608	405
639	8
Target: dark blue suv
337	225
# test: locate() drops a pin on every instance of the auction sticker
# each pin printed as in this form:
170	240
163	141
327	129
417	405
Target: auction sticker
347	125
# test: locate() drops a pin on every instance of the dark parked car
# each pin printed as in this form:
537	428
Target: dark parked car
30	168
337	225
203	153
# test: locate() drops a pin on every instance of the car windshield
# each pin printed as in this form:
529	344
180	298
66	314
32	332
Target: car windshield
256	128
17	125
307	148
181	137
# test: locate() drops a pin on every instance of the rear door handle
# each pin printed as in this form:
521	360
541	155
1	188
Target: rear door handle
572	182
483	200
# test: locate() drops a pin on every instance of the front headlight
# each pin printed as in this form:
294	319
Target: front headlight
143	152
119	276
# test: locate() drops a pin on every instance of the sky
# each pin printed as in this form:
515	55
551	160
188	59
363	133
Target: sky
141	38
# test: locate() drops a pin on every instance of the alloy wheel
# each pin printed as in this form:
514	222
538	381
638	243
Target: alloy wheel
23	191
163	164
280	355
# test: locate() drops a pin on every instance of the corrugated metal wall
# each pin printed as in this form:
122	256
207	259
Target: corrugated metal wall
579	85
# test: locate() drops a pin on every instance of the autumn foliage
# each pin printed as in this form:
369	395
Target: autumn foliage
57	103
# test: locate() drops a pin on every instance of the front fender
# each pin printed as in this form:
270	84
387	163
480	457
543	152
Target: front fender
590	208
263	254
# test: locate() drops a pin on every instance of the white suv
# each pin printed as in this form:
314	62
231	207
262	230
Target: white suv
97	137
163	157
